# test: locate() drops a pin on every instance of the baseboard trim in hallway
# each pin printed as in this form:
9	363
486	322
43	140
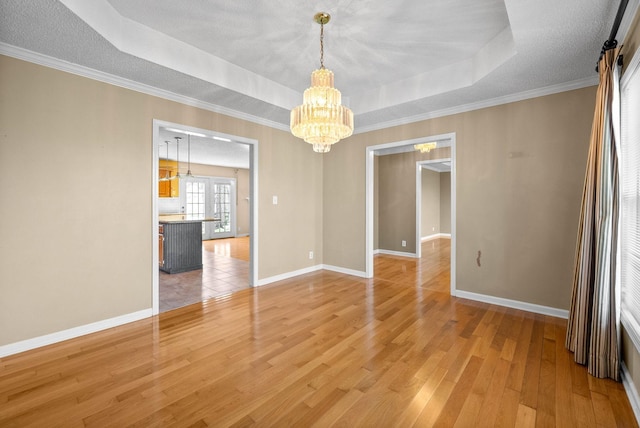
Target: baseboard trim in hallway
287	275
292	274
346	271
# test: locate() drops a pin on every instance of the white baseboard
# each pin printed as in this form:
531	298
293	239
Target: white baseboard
346	271
397	253
631	391
48	339
377	251
435	236
515	304
241	235
287	275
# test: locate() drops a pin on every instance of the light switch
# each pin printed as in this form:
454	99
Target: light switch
275	200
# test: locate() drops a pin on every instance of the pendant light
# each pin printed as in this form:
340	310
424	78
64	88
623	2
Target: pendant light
168	176
178	176
189	175
322	120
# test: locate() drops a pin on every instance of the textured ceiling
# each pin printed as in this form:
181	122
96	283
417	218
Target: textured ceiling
394	62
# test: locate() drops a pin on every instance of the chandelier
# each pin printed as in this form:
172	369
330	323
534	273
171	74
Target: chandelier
322	120
425	147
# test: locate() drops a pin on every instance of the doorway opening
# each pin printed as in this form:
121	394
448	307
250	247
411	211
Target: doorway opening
371	218
433	200
219	193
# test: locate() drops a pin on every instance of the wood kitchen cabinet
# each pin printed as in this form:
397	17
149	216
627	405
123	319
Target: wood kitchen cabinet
168	188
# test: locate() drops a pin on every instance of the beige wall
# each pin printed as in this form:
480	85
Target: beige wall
445	202
76	162
520	169
397	198
430	211
397	206
436	202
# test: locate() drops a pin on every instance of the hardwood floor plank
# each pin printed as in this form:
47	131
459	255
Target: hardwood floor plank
332	414
433	408
413	411
519	361
618	401
491	404
603	410
321	349
583	411
526	417
451	410
531	382
508	412
546	400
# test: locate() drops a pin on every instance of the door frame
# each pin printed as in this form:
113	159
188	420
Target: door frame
253	198
369	181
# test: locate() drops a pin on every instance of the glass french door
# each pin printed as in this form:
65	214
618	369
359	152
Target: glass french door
222	209
212	199
195	191
196	196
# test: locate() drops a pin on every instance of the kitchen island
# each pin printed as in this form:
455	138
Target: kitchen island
180	243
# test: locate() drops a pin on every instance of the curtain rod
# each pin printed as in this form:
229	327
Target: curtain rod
611	42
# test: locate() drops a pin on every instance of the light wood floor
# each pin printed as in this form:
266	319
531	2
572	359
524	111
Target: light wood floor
324	349
225	270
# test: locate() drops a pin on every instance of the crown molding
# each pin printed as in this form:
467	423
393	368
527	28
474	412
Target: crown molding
534	93
58	64
79	70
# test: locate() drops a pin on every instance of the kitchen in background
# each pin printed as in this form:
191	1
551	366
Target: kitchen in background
203	207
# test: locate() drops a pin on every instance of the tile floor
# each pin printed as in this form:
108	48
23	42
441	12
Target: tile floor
225	270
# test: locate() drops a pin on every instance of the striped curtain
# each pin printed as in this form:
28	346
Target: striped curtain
593	326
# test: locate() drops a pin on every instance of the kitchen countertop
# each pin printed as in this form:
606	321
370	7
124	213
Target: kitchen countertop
183	218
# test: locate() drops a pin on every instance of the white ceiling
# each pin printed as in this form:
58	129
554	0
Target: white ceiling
438	166
394	62
201	147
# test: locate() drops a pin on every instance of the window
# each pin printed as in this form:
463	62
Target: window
629	257
222	207
195	200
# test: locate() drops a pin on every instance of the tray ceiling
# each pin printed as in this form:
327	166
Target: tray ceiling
395	62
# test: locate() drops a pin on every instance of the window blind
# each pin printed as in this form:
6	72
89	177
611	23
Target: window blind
630	201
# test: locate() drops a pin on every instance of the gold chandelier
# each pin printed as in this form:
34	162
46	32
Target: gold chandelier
425	147
322	120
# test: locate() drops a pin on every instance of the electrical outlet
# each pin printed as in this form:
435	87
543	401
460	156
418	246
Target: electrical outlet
275	200
404	243
310	255
433	229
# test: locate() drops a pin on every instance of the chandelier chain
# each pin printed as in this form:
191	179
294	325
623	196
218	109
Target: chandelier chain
321	44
